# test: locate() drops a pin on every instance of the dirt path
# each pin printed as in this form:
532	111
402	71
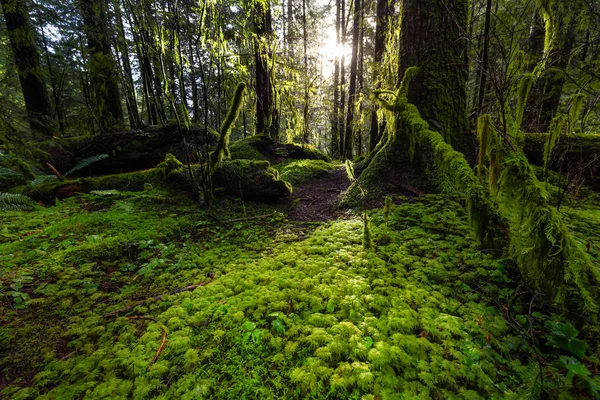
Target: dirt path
316	200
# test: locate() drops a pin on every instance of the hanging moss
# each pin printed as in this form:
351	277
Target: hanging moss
556	127
525	85
540	242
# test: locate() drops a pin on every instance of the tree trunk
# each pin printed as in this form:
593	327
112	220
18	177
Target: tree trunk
352	88
129	86
103	72
360	78
482	68
342	108
336	87
306	77
27	60
546	93
264	89
384	13
433	39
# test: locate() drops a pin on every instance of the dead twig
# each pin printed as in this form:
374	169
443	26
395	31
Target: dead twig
160	349
54	171
141	317
159	297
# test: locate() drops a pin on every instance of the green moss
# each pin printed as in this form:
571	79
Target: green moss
299	171
281	318
249	179
169	165
247	148
262	147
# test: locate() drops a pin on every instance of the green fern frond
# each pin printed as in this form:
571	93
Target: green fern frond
41	179
15	202
7	174
86	162
532	383
111	192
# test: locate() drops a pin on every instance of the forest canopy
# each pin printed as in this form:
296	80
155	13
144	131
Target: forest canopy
299	199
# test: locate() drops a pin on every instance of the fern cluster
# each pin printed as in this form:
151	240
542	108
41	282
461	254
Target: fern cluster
15	202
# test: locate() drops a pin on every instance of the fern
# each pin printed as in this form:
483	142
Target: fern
86	162
111	192
41	179
532	383
15	202
7	174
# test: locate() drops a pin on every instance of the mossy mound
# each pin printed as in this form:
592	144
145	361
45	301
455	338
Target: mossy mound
252	180
262	147
303	170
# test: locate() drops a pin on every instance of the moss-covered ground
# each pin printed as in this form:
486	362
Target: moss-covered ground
286	310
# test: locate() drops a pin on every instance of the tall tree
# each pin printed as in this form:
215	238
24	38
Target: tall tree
27	60
382	21
265	109
342	94
553	78
335	132
433	39
352	84
102	68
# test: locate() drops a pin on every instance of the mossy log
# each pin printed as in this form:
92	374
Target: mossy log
263	147
570	150
128	150
251	180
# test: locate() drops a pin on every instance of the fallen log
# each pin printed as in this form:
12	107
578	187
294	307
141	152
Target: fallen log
250	180
132	150
263	147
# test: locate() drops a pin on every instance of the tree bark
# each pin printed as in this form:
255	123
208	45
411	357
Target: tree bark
129	86
335	151
264	89
342	108
102	69
384	13
352	88
433	39
27	60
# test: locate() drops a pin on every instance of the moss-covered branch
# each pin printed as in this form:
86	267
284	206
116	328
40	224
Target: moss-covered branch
222	150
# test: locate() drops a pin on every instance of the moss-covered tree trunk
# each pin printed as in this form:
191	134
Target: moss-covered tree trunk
433	39
103	71
548	89
266	114
383	19
27	60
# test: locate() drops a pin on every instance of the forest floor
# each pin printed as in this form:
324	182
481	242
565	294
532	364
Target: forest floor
142	295
316	199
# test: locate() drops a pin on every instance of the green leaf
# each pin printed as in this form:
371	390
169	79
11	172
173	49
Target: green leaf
278	326
577	347
579	369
